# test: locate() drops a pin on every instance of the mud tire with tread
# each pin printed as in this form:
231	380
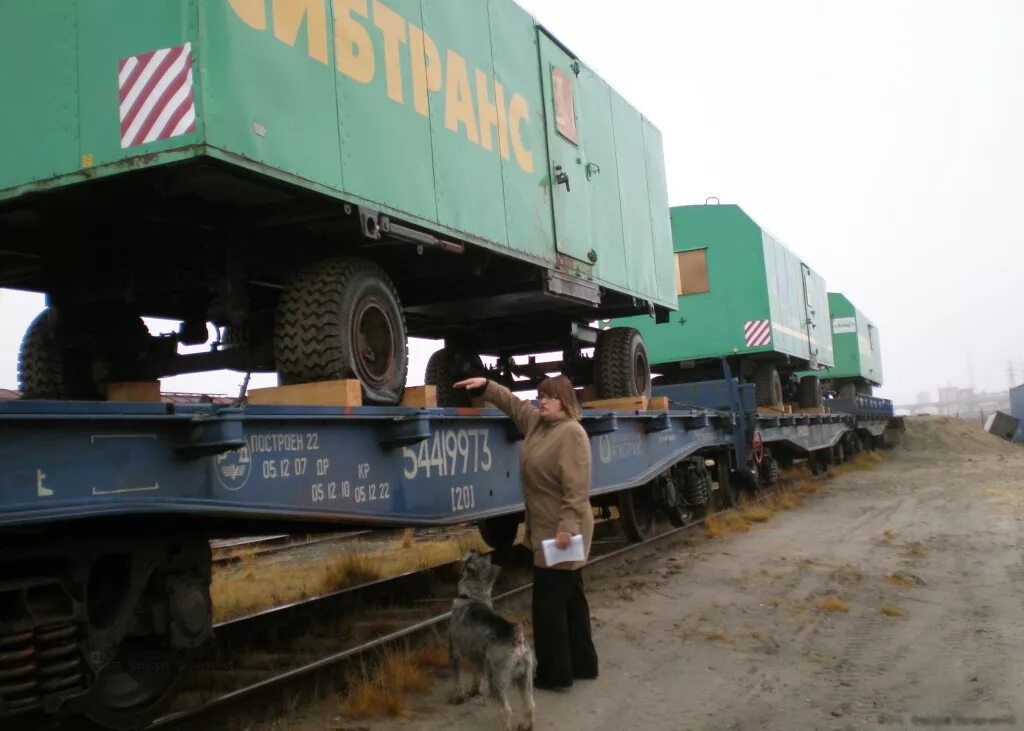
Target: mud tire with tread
767	385
318	332
809	395
40	365
448	365
622	367
500	531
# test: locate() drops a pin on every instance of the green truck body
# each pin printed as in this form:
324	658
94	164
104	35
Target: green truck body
742	293
435	112
857	347
477	168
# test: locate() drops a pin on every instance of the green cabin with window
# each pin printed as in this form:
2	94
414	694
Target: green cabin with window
858	351
742	295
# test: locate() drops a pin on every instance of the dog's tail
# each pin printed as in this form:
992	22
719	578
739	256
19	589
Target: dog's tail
520	640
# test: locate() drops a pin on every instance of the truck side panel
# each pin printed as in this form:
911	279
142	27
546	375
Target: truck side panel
272	101
661	227
43	37
467	175
527	194
597	139
387	157
634	195
114	31
786	295
821	321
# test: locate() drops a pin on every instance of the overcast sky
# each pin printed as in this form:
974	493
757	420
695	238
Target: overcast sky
881	140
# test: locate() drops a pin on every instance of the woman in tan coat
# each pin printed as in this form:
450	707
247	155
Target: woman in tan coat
555	473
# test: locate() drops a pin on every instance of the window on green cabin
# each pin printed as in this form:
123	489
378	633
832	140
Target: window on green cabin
692	272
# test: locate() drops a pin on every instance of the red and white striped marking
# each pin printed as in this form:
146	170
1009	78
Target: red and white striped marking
757	333
156	95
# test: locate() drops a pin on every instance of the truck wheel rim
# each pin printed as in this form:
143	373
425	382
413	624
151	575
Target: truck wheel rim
373	342
640	372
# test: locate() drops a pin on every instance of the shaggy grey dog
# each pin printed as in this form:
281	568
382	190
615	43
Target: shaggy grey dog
495	647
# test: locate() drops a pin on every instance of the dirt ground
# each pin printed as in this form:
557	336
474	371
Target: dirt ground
924	552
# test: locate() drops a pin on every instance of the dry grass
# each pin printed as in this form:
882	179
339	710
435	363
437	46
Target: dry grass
352	569
914	549
382	693
863	461
713	527
735	522
788	501
407	537
719	637
432	657
253	586
832	604
403	672
891	611
760	513
368	699
806	487
900	581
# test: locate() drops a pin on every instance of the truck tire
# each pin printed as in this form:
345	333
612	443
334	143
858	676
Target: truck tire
112	349
341	318
621	365
810	392
500	531
40	365
448	365
767	385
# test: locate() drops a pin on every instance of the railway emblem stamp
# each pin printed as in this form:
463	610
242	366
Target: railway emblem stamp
233	468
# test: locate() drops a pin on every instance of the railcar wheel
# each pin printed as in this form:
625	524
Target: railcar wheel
636	513
767	385
621	365
136	687
500	531
448	365
815	462
341	318
838	453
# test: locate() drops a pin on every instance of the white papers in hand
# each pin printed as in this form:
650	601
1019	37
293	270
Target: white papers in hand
553	554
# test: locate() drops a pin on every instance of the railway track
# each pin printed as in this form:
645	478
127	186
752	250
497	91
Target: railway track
233	551
280	655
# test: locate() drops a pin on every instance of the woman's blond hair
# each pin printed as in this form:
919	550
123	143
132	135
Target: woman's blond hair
561	388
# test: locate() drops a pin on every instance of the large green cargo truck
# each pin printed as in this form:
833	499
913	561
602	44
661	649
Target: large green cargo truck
857	348
321	179
742	296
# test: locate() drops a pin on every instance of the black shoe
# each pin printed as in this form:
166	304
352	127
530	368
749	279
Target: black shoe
586	677
547	686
